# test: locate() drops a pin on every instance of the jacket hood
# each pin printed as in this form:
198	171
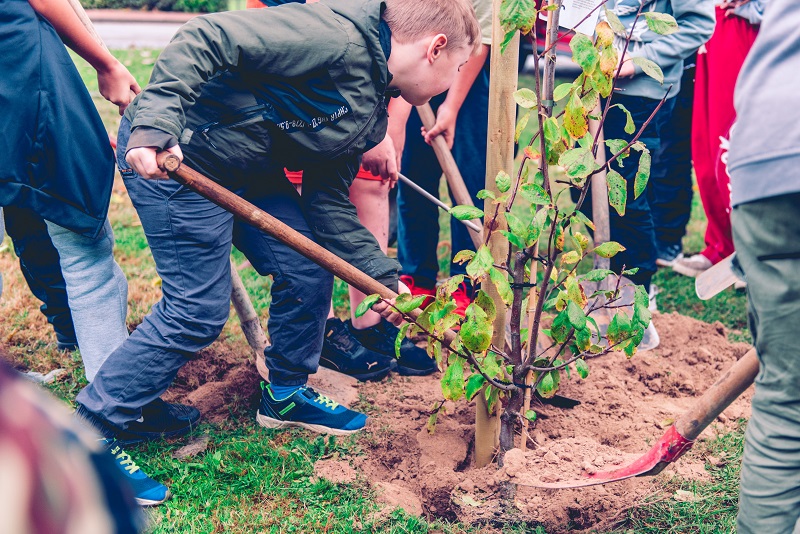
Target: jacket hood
366	15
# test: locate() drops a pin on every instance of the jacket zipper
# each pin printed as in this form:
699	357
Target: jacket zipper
243	115
352	141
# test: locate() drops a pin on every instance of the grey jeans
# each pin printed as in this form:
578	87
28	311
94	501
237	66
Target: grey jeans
97	292
766	234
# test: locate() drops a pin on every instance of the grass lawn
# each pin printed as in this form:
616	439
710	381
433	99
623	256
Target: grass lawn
254	480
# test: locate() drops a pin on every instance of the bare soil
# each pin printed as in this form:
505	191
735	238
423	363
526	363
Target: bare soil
625	406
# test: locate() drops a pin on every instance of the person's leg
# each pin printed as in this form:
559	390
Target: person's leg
301	290
40	265
190	240
418	218
635	230
371	199
670	192
97	292
765	233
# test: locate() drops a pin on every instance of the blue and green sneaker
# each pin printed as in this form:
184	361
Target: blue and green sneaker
147	491
305	408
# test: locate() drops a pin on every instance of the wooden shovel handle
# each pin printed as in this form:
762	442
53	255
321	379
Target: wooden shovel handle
459	189
265	222
719	396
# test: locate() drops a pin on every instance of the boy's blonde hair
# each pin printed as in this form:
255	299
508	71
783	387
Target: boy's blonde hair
413	19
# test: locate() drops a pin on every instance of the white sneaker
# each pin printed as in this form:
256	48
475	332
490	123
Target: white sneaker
692	266
661	262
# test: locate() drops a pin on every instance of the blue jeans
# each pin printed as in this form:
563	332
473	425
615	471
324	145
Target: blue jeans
635	231
418	218
40	265
97	292
190	239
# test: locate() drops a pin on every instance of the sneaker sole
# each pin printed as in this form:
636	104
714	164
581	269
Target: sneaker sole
154	436
269	422
687	271
409	371
149	502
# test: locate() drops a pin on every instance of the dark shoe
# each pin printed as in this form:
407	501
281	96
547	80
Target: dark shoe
147	491
159	419
343	353
305	408
380	338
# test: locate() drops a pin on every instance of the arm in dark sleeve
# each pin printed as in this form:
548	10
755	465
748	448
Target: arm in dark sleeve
334	220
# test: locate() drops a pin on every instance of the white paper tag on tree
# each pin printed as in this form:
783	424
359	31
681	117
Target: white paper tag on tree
573	11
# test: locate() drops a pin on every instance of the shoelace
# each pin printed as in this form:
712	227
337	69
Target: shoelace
325	401
124	459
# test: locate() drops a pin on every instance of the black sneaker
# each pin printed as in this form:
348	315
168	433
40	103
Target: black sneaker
380	338
159	419
305	408
343	353
147	491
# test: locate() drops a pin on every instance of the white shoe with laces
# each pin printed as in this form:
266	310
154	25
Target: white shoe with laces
692	266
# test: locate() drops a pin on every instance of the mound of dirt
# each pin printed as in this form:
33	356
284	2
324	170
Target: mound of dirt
625	406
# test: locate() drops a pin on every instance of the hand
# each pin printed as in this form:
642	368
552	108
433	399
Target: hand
381	160
445	126
116	85
628	69
730	5
385	310
143	161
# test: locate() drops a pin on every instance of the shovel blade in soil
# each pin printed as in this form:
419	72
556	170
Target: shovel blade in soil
718	278
666	450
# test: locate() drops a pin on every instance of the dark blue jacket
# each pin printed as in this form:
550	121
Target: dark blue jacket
55	157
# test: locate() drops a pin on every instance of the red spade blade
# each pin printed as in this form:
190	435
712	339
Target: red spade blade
669	448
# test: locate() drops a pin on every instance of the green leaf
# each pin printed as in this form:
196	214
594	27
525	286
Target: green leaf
560	327
401	335
583	339
483	194
535	194
661	23
609	249
578	163
485	302
641	311
602	82
517	227
596	275
614	22
649	68
642	175
453	380
526	98
480	262
406	302
530	415
552	131
570	258
616	145
561	91
466	213
549	383
463	255
476	330
608	61
617	191
474	384
575	293
576	316
503	181
591	99
619	328
584	53
537	225
582	368
451	284
584	219
490	365
575	116
514	239
630	126
521	124
500	280
518	15
366	304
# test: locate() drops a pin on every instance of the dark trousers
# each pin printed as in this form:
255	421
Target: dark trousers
40	265
671	191
635	231
418	218
190	239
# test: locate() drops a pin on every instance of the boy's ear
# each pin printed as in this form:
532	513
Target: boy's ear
436	47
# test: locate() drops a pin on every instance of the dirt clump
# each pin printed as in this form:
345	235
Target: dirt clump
336	471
